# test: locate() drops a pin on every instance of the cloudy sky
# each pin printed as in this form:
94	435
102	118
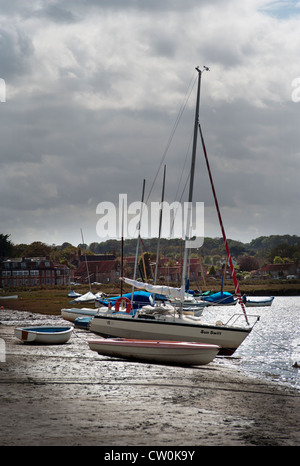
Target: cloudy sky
94	90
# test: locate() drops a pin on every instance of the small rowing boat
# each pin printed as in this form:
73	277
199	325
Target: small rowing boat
174	352
44	335
259	302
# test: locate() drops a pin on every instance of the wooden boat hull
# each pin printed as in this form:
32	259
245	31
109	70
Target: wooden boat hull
180	353
227	338
44	335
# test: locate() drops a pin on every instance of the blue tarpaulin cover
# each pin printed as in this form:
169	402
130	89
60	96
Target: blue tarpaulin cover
140	298
221	297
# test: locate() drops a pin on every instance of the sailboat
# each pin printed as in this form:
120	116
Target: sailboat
164	322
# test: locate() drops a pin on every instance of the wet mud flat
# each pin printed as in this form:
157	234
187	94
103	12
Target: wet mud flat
68	395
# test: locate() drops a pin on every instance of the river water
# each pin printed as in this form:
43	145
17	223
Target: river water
273	345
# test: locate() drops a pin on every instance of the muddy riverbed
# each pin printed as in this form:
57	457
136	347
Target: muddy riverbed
69	395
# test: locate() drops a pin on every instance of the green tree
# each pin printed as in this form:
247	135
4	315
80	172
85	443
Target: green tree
212	270
6	247
37	249
282	250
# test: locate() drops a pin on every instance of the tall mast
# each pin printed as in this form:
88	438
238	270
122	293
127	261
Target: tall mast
192	173
86	263
160	222
195	137
138	239
122	247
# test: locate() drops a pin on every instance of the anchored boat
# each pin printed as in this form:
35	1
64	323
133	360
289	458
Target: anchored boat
259	302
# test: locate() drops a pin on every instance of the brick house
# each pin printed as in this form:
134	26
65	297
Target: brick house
101	268
171	271
33	271
106	268
279	270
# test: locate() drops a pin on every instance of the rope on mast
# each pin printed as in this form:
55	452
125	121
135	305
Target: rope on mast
235	281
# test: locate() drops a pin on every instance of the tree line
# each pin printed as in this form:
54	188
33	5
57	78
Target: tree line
250	256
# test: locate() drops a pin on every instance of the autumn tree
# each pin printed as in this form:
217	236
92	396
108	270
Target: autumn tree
248	263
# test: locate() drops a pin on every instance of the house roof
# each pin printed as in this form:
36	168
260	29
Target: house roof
96	266
97	257
276	267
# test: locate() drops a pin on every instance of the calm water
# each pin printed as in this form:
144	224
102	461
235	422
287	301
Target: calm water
273	346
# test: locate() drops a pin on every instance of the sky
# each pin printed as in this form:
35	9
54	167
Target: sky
97	96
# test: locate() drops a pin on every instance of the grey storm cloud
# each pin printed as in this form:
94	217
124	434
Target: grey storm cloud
93	92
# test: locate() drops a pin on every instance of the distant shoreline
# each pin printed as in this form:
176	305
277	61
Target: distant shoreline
52	299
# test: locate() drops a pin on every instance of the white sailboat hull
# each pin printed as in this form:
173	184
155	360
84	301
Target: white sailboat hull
166	328
156	351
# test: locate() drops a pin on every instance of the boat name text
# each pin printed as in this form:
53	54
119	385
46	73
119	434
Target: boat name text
210	332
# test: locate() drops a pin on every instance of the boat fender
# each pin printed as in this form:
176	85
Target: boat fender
123	302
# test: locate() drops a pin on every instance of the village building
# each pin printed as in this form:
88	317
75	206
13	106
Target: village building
290	269
100	268
171	271
106	268
33	271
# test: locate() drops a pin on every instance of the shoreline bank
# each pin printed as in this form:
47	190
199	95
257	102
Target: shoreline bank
68	395
50	301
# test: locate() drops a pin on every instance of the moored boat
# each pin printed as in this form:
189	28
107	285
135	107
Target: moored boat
222	298
73	294
137	298
44	335
174	325
180	352
83	322
171	327
13	296
259	302
72	313
88	297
